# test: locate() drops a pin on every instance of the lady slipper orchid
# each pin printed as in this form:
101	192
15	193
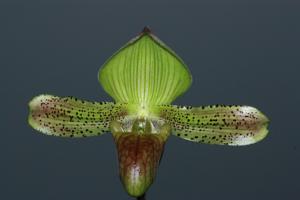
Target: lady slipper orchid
144	77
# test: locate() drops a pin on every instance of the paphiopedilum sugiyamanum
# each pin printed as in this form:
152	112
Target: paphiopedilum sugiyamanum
144	77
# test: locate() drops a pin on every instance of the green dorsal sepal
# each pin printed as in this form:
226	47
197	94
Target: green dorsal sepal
145	72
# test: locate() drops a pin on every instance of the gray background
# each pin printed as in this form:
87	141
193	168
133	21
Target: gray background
239	52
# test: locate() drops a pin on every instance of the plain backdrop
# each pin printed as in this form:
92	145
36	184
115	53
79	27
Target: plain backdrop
239	52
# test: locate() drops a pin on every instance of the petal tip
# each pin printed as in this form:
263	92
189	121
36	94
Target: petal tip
146	30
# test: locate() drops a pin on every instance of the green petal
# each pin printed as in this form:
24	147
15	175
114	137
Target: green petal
70	117
218	124
145	72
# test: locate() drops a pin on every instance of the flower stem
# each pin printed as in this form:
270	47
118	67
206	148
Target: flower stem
143	197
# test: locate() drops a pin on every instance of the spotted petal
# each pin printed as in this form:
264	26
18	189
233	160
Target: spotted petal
218	124
70	117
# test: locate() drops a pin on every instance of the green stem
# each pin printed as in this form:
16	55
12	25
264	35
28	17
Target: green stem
143	197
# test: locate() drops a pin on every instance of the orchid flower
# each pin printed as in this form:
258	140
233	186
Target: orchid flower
144	77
